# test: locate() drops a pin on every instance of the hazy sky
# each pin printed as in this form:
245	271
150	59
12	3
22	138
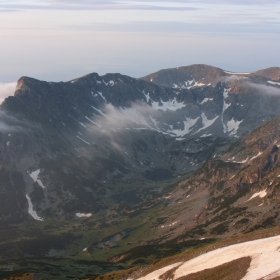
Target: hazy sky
58	40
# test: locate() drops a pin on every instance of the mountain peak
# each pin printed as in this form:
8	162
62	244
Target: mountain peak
25	84
272	73
200	73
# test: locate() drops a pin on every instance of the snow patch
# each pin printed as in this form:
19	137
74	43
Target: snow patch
31	211
205	122
99	111
83	140
82	125
260	153
170	225
100	93
196	84
188	124
260	194
273	83
172	105
147	96
243	161
232	126
83	215
205	135
226	93
225	106
93	122
34	175
154	122
205	100
193	83
264	253
189	84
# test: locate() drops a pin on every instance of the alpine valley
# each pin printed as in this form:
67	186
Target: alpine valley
112	177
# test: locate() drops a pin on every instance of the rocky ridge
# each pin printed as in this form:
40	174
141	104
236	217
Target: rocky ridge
100	154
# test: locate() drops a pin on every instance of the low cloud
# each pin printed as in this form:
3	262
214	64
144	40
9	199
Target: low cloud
232	78
9	123
7	89
261	88
118	118
113	123
12	122
265	89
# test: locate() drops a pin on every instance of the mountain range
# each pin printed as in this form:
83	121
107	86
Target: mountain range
111	172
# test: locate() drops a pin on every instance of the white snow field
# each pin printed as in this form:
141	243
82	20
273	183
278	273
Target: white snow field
35	176
83	215
31	211
265	255
260	194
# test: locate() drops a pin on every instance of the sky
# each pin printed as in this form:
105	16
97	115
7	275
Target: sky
59	40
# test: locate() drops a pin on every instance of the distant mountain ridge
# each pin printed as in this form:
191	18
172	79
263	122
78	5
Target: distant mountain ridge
123	122
202	75
102	164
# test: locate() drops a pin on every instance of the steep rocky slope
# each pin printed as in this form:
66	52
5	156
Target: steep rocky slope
234	193
104	167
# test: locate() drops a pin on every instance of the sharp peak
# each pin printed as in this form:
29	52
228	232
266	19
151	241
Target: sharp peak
25	82
27	79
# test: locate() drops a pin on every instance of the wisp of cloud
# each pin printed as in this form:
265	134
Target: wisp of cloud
7	89
265	89
113	122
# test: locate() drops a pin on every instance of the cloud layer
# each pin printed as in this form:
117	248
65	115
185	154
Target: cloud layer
92	36
95	5
124	5
6	89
